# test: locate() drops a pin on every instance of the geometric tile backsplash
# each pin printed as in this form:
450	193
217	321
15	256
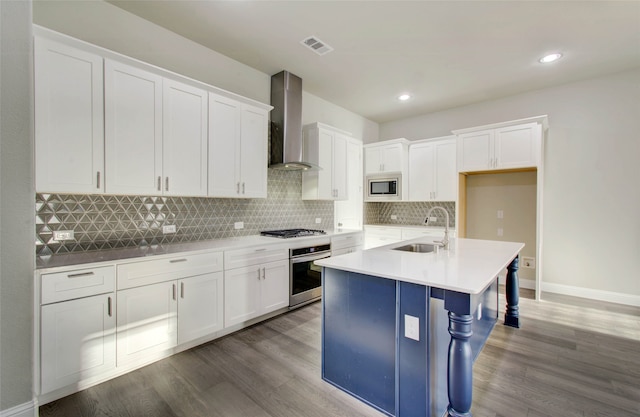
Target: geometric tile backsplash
408	212
110	221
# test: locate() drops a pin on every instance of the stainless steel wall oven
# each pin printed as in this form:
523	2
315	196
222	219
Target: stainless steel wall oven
305	277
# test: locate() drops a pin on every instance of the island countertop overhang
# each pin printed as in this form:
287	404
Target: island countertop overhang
469	265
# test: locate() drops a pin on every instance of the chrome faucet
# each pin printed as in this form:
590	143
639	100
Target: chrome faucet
444	243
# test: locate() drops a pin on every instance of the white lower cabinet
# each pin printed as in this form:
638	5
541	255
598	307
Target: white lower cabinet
255	290
344	244
147	321
200	306
77	340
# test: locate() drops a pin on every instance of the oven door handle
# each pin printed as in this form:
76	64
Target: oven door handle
314	257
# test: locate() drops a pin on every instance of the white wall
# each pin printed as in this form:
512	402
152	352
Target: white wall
591	223
110	27
17	223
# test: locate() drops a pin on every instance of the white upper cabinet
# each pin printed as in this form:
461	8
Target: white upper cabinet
184	142
326	147
498	147
432	170
348	213
237	149
133	130
69	134
387	156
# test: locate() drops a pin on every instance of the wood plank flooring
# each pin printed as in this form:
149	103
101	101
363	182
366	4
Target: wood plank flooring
571	357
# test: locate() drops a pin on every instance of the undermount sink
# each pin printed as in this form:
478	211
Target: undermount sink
418	247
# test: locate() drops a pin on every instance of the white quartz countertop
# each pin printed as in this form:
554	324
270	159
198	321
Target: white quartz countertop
469	265
134	253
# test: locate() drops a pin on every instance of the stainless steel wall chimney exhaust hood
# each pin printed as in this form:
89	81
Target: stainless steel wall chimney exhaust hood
286	123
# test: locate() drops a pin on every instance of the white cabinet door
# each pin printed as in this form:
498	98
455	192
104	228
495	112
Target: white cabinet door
385	158
475	151
326	147
77	340
147	322
224	146
274	291
348	213
237	149
253	152
421	172
445	173
241	294
509	147
200	306
69	127
339	172
133	130
516	146
184	142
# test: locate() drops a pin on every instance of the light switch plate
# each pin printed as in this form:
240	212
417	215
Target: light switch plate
169	228
411	327
238	225
63	235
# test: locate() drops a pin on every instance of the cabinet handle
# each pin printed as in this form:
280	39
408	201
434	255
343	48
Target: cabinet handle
260	250
243	188
182	290
166	184
109	311
259	274
98	179
264	274
80	274
159	183
173	289
173	261
238	188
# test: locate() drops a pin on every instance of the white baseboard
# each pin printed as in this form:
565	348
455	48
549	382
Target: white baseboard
600	295
23	410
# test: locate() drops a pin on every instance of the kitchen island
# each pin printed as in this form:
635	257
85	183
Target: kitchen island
401	329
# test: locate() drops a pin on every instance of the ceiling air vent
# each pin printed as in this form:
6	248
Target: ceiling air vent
316	45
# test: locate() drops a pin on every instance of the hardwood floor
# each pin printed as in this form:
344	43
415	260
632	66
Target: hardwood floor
571	357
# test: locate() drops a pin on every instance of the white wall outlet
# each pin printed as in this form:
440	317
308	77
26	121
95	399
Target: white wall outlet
238	225
394	217
528	262
169	228
433	219
500	231
500	214
318	220
411	327
63	235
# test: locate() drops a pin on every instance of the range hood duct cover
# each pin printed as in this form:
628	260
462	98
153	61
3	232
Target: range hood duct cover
286	123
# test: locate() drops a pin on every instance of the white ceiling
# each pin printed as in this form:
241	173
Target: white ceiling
445	53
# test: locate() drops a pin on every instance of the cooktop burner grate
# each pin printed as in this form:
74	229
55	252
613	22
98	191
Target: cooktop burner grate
287	233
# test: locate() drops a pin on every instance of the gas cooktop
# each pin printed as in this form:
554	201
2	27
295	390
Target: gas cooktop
287	233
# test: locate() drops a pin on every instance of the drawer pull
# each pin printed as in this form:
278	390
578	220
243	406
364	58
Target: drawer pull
109	306
260	250
173	261
80	274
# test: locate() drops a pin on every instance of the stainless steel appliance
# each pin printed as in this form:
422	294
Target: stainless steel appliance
384	187
305	277
289	233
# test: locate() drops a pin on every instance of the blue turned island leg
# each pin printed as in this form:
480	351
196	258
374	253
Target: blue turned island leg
460	365
512	315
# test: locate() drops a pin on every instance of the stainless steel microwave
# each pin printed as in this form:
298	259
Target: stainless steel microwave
384	187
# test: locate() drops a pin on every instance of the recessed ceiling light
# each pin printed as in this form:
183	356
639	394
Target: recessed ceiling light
550	58
404	97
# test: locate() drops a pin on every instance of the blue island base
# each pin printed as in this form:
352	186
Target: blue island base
368	353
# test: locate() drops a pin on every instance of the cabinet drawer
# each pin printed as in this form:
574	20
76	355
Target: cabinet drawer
166	269
253	256
77	283
341	242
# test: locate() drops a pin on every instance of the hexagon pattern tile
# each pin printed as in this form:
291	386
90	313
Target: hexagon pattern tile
408	212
